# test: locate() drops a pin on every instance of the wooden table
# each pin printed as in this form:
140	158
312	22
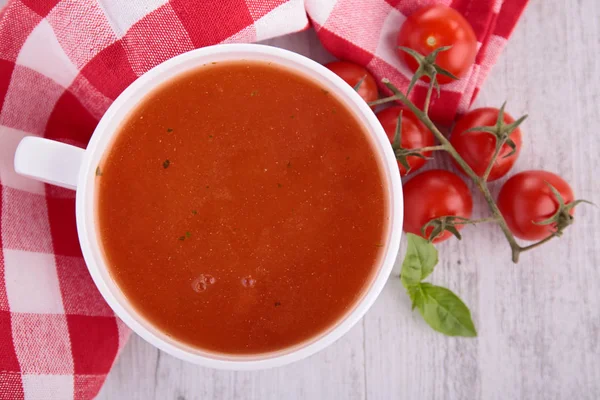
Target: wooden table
538	321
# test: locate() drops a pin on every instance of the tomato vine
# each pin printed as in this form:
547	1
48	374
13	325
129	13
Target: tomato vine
500	131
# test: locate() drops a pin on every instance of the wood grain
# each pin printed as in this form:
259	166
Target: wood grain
538	322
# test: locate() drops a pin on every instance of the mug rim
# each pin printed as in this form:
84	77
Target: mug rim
90	245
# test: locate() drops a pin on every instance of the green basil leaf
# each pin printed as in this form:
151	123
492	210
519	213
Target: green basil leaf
445	312
416	296
419	261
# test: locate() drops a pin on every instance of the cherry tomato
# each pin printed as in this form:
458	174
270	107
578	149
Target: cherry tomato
433	194
526	199
352	74
436	26
477	148
415	135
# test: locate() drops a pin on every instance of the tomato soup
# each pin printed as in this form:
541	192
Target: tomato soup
241	208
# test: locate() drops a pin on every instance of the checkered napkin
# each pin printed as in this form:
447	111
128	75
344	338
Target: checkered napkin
62	62
365	32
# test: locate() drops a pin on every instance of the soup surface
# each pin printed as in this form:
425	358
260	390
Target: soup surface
241	208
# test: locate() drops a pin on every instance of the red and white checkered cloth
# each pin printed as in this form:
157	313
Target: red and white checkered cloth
366	32
62	62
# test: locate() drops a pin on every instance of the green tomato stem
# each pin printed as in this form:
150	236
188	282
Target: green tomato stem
488	170
480	183
479	221
424	118
385	100
536	244
428	97
514	246
429	148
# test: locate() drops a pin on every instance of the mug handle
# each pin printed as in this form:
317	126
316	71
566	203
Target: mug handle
49	161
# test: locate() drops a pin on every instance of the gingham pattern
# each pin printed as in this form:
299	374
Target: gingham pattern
62	62
341	24
61	65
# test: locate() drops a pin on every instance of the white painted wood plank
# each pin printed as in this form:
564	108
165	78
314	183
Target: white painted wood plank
538	322
337	372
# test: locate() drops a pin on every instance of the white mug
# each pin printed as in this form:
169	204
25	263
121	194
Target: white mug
75	168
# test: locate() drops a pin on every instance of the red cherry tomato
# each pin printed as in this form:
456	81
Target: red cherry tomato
415	135
526	199
436	26
433	194
352	74
477	148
